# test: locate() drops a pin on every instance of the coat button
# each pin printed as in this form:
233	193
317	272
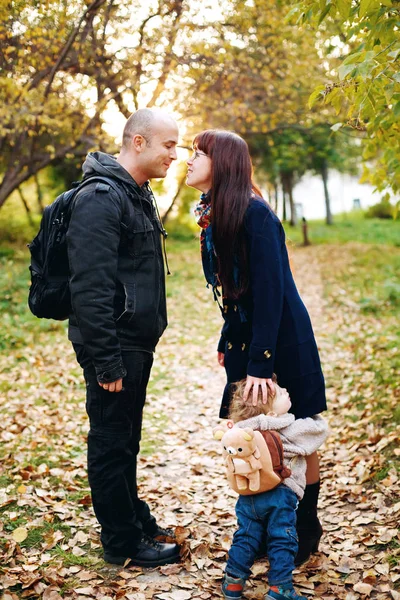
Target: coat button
229	346
267	354
243	347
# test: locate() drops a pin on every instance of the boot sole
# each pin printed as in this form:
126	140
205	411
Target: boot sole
121	560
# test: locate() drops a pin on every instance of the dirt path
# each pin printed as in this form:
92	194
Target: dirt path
195	496
183	476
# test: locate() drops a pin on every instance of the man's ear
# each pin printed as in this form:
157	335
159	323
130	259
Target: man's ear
138	142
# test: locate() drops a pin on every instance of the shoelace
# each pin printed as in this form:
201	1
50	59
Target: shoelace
150	541
165	532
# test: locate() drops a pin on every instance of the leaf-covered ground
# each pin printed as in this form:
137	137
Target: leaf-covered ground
49	538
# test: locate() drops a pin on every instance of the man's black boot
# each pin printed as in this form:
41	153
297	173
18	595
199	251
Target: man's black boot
148	553
309	529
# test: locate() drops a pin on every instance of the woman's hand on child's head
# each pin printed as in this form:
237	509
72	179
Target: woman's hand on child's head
261	387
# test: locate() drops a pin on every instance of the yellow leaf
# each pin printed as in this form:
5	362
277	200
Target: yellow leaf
22	489
20	534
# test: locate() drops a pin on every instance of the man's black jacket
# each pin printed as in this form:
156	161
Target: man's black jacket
117	271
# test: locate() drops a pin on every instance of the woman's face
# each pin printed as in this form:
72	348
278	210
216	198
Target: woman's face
199	171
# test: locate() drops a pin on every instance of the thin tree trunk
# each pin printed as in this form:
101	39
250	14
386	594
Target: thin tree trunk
283	204
276	196
175	198
304	227
293	216
26	205
324	174
39	193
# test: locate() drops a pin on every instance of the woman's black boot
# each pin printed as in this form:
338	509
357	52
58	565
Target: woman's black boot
309	529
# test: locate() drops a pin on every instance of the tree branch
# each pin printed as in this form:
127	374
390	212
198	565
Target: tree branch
93	6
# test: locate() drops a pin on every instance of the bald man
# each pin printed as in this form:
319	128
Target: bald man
119	313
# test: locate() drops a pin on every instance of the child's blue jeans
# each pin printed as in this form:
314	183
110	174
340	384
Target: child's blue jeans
272	515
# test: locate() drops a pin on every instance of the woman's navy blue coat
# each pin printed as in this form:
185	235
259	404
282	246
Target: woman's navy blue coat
268	330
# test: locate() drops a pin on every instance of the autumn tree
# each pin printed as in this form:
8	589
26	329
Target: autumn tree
63	64
253	74
366	89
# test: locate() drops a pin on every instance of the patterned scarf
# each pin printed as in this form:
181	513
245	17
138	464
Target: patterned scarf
202	211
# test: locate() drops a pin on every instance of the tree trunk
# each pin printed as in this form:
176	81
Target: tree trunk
293	216
39	193
287	186
26	206
22	170
276	196
175	198
304	227
283	204
324	175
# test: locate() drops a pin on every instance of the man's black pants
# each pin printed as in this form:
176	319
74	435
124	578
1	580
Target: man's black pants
113	445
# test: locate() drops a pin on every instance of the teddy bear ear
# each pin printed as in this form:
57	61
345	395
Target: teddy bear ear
221	428
218	433
248	434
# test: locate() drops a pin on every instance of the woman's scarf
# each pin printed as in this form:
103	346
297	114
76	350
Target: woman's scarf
202	211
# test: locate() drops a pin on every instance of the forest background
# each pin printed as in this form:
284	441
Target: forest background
314	88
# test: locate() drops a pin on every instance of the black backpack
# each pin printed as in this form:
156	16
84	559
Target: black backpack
49	295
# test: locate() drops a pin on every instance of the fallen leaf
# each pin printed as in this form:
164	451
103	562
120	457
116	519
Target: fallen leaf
363	588
20	534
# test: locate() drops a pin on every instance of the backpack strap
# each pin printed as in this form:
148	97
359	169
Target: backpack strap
275	447
106	182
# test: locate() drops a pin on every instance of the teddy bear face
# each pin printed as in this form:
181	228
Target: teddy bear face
239	443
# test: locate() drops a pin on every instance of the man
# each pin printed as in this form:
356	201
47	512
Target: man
119	313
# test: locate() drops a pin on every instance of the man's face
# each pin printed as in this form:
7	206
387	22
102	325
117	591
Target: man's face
156	157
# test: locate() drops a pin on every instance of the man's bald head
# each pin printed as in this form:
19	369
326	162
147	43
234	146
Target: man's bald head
149	143
143	122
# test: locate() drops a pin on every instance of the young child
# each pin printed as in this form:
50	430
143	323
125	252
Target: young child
271	514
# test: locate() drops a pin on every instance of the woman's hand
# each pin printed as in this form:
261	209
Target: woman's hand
266	385
221	359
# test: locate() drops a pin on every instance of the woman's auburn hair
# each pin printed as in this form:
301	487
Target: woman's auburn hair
231	187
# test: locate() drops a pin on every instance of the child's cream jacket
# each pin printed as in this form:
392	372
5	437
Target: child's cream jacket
300	438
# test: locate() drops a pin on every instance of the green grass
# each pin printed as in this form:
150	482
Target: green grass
69	559
18	327
348	227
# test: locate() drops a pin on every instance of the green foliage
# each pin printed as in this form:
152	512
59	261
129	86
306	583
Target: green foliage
367	89
253	73
182	229
297	150
382	210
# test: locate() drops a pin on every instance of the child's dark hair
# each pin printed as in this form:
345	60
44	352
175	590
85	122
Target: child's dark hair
239	410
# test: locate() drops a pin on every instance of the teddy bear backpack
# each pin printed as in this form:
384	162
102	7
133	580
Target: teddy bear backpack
254	459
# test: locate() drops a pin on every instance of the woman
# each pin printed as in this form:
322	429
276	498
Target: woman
266	325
